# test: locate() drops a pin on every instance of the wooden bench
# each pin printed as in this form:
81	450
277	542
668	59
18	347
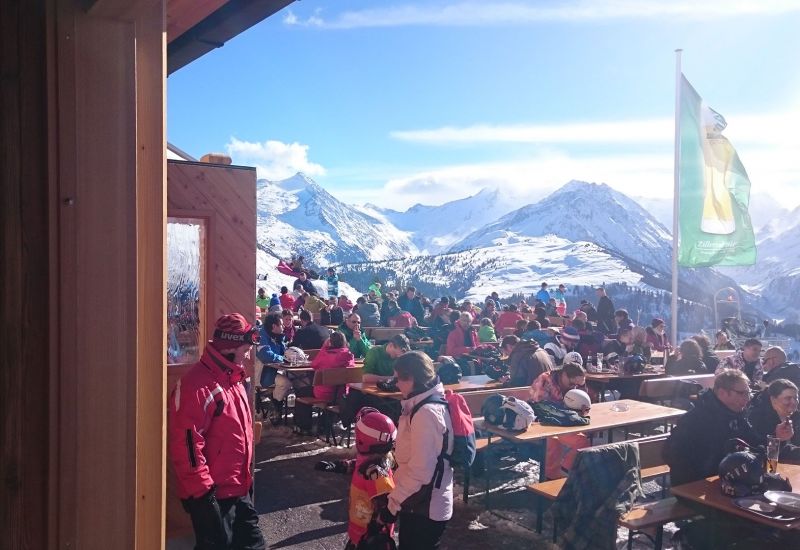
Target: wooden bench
338	378
665	389
650	462
383	334
475	401
654	515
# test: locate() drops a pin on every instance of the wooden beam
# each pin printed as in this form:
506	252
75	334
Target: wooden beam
110	185
24	278
182	15
231	19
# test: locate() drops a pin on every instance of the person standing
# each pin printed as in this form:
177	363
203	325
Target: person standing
211	441
333	283
422	498
543	295
605	312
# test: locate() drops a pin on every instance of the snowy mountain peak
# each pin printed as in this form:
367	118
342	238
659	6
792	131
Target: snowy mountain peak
581	211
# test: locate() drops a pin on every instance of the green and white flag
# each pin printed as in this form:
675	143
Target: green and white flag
715	227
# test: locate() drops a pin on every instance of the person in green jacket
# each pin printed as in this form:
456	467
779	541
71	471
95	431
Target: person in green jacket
356	340
486	332
379	361
262	302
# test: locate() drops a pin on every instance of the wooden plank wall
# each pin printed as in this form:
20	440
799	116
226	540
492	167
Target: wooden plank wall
108	79
25	279
225	197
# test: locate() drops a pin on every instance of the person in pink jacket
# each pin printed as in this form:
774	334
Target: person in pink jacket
463	338
210	440
334	355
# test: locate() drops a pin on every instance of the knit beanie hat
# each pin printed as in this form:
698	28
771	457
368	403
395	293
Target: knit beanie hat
570	333
232	331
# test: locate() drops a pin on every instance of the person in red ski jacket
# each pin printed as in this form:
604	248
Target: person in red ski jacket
211	441
463	338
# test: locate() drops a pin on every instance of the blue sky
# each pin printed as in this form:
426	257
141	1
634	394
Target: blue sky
403	102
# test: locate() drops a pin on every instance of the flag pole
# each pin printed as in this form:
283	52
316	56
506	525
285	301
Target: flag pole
676	199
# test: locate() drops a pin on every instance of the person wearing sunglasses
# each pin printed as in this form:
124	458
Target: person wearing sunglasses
357	340
210	440
696	444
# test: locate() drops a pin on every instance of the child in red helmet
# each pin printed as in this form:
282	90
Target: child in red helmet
372	477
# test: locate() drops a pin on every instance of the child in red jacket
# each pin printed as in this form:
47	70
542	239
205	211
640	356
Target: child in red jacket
372	479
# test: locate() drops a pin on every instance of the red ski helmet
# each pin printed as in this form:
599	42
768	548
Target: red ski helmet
375	432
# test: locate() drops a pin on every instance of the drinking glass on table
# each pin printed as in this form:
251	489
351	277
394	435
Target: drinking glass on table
773	452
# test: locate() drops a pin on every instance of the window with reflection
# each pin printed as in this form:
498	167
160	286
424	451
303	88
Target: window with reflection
185	289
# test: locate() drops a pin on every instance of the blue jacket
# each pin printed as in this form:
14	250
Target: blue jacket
544	296
270	350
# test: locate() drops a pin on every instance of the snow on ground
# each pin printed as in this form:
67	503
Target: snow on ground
525	262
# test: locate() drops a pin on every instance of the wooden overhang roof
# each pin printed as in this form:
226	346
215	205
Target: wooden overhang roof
195	27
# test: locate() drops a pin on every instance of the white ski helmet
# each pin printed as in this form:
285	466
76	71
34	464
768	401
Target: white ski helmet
295	355
573	357
519	415
578	400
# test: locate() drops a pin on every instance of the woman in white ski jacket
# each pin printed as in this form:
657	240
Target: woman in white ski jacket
423	493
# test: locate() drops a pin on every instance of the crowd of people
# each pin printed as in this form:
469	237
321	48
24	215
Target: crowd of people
399	473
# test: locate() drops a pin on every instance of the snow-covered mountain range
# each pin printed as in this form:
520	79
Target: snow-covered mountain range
583	233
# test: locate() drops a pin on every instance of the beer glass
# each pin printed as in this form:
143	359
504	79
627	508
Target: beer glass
773	451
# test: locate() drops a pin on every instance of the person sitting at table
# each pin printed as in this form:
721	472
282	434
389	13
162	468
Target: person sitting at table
311	335
723	341
534	332
313	303
639	344
507	319
398	318
357	340
697	443
490	310
620	345
657	335
368	312
271	347
331	314
463	338
687	359
520	327
747	360
262	302
287	317
345	303
776	406
334	354
776	367
709	357
379	361
486	333
286	299
552	386
526	362
507	344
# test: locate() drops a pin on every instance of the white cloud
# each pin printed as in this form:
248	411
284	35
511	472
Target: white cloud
528	180
775	129
274	160
503	13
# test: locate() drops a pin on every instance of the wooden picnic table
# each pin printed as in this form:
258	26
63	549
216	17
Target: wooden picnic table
602	418
707	492
599	380
466	384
